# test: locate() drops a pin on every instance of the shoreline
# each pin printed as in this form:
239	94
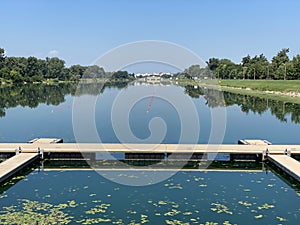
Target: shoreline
243	88
288	94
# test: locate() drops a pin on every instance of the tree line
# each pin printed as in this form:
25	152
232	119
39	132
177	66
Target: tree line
281	67
32	69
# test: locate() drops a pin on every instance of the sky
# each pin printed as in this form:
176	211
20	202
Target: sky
79	31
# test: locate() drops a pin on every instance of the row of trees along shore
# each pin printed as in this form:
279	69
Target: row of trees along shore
32	69
281	67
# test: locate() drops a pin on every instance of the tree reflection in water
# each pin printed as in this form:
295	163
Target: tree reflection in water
31	95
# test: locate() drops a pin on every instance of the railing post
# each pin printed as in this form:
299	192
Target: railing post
18	150
265	154
40	152
287	152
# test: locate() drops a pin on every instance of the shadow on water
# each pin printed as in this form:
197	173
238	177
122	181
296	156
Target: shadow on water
20	175
283	176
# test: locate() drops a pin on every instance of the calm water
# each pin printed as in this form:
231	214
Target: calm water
39	111
189	197
84	197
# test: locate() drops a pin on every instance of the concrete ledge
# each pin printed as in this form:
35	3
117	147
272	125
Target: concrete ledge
12	165
286	164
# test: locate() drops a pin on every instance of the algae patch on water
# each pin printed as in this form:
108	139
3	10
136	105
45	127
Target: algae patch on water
33	212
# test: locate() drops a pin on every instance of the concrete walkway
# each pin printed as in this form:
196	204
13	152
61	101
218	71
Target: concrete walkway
15	163
287	164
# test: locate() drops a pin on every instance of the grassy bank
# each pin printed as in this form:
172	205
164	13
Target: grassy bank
264	85
262	94
279	90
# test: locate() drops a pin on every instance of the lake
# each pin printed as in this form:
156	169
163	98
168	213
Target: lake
69	193
46	111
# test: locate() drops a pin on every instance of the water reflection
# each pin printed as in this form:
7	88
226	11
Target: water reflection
247	103
32	95
260	105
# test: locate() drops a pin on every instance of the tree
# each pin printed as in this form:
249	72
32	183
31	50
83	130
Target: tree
227	69
4	73
246	61
193	71
119	75
278	62
33	68
296	67
94	72
2	57
281	57
255	68
77	71
213	63
16	76
55	68
260	65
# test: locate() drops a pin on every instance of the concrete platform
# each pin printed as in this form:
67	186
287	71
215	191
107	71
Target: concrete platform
46	140
286	164
15	163
148	148
254	142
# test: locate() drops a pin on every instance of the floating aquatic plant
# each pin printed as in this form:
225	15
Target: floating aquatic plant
266	206
173	212
98	209
94	221
209	223
258	216
175	222
245	203
220	208
33	212
281	219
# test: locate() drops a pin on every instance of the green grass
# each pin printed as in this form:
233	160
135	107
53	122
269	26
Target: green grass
260	94
257	87
264	85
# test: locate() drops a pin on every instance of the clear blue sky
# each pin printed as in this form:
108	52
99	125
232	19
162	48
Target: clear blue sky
79	31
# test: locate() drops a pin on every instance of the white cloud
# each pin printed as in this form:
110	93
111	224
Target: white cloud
52	53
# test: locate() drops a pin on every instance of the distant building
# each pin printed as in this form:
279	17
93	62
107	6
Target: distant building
141	75
153	79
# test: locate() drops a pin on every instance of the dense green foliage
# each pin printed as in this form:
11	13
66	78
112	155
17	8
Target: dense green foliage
31	69
194	71
281	67
122	75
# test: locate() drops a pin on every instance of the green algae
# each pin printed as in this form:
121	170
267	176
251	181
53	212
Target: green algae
33	212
